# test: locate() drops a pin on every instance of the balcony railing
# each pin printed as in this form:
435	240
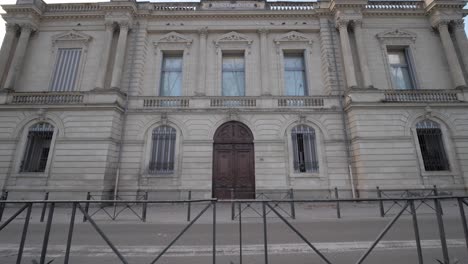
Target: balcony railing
233	102
301	102
47	98
162	102
292	6
395	4
421	96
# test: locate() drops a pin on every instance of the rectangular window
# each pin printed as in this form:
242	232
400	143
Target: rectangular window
233	75
171	76
304	149
400	69
37	148
294	75
66	70
163	150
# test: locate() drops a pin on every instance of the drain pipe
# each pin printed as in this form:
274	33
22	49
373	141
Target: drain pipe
344	119
124	117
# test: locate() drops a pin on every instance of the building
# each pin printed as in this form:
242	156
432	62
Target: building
245	95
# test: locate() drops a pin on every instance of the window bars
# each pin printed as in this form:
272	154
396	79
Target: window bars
432	146
304	149
163	150
37	148
66	70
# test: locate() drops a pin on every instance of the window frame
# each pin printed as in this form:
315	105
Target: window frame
303	55
233	54
172	54
147	150
79	71
23	145
409	64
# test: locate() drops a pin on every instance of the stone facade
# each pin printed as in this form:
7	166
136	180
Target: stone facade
365	127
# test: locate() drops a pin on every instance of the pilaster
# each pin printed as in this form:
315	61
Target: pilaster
201	88
263	32
7	47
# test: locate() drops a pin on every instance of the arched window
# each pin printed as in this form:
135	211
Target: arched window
432	146
304	149
37	149
162	150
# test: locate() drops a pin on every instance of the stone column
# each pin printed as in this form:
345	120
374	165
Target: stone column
119	56
366	77
201	89
450	53
264	61
105	56
462	41
7	46
347	54
18	58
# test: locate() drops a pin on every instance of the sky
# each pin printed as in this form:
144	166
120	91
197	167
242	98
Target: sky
9	2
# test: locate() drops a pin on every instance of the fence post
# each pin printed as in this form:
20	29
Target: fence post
463	219
189	206
88	197
4	197
233	212
214	230
440	223
416	231
144	207
338	211
44	206
265	237
381	205
436	193
293	208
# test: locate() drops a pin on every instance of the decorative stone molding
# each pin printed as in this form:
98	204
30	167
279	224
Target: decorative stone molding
292	37
72	36
397	36
173	41
203	31
233	38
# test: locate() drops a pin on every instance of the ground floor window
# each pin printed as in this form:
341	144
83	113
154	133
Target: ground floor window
37	148
432	146
163	150
304	149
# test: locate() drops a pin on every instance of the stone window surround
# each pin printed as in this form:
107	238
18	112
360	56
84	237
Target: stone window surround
449	150
176	44
293	42
21	148
320	150
399	39
146	157
70	39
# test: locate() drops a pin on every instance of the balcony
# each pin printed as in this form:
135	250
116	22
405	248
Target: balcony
63	98
421	96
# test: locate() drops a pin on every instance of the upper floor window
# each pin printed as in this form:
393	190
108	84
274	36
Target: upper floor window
233	75
171	76
400	69
294	75
162	150
66	70
304	149
432	146
37	149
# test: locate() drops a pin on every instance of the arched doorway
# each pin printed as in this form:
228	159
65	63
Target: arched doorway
233	162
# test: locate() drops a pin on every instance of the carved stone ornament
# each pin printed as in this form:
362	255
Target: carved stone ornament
428	112
174	37
234	38
41	115
164	120
233	114
398	34
302	119
71	36
292	36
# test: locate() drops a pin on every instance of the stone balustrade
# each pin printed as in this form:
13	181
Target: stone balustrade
46	98
62	98
395	5
421	96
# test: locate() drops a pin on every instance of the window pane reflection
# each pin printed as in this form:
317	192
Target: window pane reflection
171	76
233	76
294	75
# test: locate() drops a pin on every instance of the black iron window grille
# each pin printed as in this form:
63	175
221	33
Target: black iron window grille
37	148
304	149
162	151
432	146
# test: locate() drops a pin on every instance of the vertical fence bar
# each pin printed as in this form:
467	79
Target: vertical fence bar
144	207
233	212
70	234
44	206
293	208
189	206
265	238
338	211
436	193
463	219
416	231
3	205
440	223
45	242
239	206
88	197
381	205
23	235
214	231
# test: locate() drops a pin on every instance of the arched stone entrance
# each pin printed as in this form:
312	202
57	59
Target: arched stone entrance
233	162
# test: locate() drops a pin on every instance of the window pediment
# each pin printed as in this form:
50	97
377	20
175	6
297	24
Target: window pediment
71	36
174	37
397	35
233	39
292	37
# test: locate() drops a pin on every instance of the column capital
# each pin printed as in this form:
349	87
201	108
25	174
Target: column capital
263	31
11	27
356	23
27	27
342	23
125	25
459	24
203	31
110	25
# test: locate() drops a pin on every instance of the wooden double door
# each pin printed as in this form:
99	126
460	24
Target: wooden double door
233	162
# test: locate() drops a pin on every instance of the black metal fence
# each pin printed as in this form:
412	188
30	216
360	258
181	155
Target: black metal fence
407	203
